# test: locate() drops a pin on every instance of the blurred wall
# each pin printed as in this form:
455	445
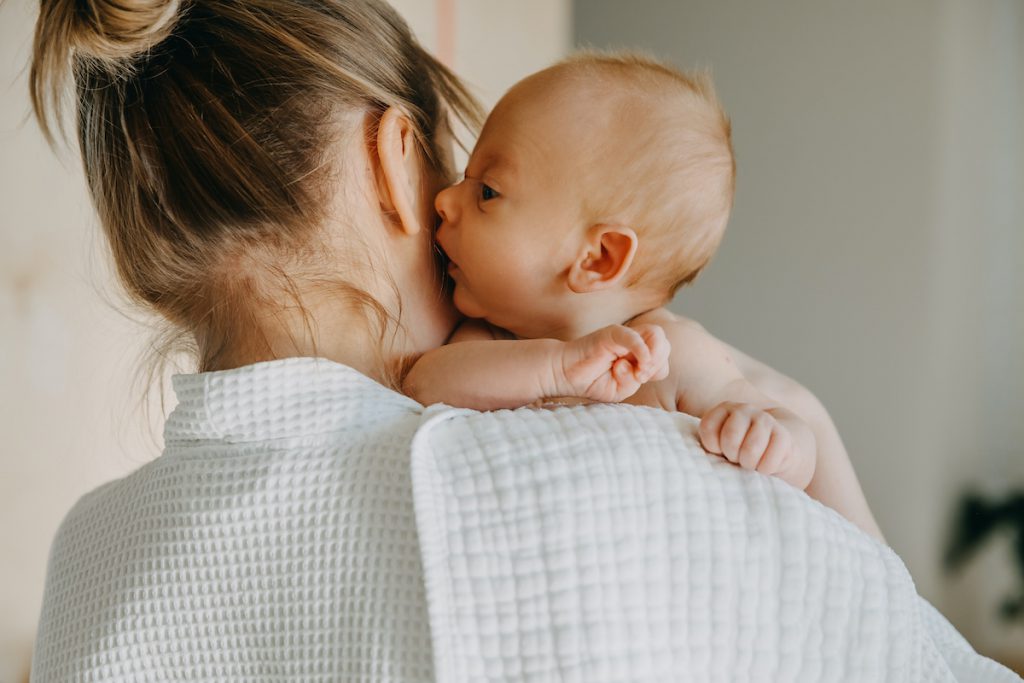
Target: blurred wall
70	404
876	249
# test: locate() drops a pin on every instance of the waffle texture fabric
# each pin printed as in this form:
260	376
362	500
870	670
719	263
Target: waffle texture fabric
273	540
276	539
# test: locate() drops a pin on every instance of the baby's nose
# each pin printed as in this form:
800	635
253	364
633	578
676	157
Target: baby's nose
444	203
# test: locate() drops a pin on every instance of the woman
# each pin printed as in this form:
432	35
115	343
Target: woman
265	174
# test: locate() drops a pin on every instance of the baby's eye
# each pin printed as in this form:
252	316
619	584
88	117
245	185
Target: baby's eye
487	192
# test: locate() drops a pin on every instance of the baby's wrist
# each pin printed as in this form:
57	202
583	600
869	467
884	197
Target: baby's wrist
805	450
558	383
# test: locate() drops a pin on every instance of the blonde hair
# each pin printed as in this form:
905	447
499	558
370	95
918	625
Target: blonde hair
203	127
678	167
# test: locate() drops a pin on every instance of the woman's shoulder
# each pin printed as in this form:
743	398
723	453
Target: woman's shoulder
92	506
207	519
534	431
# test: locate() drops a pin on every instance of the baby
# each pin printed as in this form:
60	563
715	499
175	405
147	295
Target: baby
597	188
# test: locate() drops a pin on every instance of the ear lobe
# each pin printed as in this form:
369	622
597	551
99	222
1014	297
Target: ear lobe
604	260
398	173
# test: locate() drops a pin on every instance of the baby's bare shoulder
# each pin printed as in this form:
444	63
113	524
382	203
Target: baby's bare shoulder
698	362
679	329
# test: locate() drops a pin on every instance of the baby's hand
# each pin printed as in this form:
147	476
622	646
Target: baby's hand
611	364
755	439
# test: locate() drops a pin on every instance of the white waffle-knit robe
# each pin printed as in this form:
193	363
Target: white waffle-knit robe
275	540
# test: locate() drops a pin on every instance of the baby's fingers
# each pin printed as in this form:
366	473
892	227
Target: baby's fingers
625	382
777	454
660	348
711	427
733	431
631	343
755	443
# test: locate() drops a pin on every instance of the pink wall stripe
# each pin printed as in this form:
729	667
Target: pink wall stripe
446	32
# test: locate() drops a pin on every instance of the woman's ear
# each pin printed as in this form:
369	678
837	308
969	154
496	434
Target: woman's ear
398	174
604	259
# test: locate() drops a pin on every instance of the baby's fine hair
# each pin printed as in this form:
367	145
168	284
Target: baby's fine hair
677	169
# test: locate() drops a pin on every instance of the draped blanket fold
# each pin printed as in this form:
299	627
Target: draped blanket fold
554	551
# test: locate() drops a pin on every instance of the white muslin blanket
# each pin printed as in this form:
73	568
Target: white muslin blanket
553	552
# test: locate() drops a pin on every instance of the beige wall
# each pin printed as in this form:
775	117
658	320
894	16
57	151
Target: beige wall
69	408
876	250
66	417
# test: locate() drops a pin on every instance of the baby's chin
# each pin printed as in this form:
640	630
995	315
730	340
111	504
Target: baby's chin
464	304
469	307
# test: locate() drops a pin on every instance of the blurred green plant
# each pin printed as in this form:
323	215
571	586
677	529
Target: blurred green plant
977	519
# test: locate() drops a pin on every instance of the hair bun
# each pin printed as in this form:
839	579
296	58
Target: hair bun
117	30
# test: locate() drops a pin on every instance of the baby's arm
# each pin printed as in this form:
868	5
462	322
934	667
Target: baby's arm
478	370
738	421
835	482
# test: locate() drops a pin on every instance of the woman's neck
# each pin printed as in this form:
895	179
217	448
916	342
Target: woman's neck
315	325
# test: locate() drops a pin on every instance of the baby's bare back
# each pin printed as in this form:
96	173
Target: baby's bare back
769	381
835	482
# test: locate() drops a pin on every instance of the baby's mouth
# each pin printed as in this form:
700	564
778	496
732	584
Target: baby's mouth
447	265
446	260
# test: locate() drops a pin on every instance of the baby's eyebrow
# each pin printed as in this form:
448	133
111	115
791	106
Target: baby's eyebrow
494	162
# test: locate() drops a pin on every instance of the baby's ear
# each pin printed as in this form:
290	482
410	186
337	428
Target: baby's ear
605	257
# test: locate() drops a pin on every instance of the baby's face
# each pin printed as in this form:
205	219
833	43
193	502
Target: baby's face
513	226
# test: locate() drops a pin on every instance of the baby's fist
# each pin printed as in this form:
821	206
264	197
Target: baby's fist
747	436
609	365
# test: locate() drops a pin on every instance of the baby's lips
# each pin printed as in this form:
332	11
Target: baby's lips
444	252
449	261
446	260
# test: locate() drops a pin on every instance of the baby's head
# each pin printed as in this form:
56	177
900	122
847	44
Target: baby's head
597	188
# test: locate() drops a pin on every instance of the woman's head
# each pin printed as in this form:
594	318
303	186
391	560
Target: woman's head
232	149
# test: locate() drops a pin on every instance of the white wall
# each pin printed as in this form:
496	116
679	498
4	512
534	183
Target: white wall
69	403
876	247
